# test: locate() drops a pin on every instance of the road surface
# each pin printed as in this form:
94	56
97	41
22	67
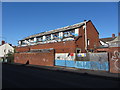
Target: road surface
18	76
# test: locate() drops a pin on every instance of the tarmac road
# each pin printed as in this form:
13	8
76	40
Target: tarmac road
18	76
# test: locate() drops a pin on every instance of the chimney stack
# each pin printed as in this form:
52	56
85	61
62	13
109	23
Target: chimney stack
2	42
113	35
119	34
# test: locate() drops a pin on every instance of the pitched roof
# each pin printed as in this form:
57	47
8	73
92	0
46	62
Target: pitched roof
57	30
117	39
107	39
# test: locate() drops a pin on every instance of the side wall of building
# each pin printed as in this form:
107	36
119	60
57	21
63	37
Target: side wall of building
80	43
60	47
22	49
92	36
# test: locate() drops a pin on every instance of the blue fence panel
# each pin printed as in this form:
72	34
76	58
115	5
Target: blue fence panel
70	63
107	66
83	64
104	66
86	64
60	62
94	65
79	64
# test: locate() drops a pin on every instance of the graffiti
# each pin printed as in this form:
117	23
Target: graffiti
81	54
64	56
116	59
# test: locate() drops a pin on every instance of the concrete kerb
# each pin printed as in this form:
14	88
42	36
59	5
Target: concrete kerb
91	73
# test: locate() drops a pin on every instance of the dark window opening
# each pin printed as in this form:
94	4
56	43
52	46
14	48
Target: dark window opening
78	51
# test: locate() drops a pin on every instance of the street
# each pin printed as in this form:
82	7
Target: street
19	76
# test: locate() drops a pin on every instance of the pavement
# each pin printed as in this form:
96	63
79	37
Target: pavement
95	73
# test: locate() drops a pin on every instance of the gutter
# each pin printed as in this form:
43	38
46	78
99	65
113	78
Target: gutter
86	36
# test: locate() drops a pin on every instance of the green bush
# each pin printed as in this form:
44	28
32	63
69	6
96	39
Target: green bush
10	57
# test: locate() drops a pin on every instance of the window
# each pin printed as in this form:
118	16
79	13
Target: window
78	51
88	42
72	32
56	35
39	39
67	33
48	37
9	51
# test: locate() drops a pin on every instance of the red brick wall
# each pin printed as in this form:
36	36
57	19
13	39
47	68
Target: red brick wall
93	35
45	59
80	43
114	59
102	50
60	47
22	49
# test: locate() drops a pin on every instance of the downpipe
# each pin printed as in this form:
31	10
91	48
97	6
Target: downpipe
86	37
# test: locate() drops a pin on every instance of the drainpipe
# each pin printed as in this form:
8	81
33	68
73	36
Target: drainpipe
85	36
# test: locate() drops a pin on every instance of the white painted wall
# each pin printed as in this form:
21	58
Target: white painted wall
103	44
64	56
4	49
